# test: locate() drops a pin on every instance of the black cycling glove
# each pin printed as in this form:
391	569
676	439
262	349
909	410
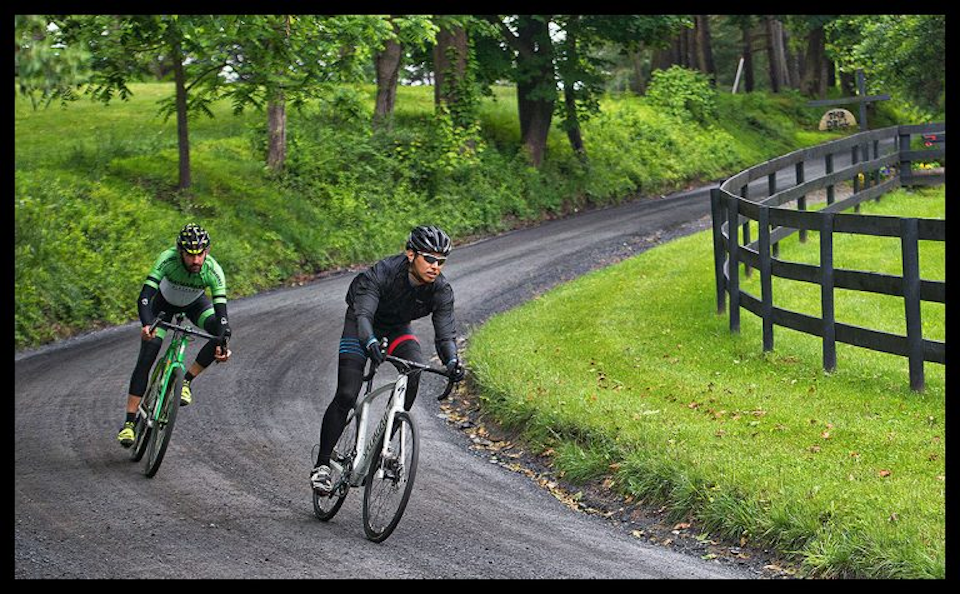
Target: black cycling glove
373	350
456	370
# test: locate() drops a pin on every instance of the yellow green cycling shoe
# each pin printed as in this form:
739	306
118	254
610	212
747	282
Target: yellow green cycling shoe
186	397
126	435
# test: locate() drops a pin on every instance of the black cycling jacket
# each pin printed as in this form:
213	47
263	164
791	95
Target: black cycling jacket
383	296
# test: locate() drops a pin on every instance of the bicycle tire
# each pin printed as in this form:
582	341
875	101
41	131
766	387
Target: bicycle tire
141	429
385	496
327	506
163	427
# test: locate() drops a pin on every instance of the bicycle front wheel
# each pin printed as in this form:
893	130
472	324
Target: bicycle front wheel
163	424
390	479
341	464
142	430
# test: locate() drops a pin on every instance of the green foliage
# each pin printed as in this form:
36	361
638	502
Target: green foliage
349	195
44	70
902	54
684	93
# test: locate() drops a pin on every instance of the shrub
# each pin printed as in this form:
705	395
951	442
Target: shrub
683	93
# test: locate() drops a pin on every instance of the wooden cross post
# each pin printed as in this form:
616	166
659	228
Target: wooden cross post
862	98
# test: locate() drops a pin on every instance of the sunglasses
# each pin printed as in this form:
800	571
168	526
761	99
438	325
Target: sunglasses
430	259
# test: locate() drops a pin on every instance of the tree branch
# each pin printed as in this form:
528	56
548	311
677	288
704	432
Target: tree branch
509	36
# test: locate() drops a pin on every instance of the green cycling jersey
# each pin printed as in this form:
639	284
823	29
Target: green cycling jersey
179	286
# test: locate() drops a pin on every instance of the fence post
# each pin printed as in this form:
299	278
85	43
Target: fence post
827	170
906	173
826	293
766	281
746	227
716	208
854	159
910	234
733	266
802	200
772	187
876	172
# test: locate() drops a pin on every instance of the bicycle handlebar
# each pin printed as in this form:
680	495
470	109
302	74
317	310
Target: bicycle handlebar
410	366
170	326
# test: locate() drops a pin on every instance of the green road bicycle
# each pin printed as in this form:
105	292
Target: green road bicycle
385	465
158	407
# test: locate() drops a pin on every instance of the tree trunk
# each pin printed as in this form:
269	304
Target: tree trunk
277	120
638	82
535	119
705	48
573	123
571	120
387	63
790	60
451	91
536	86
774	53
747	60
848	84
664	58
277	132
183	135
815	66
449	65
688	48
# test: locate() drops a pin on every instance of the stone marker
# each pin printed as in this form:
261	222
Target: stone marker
837	119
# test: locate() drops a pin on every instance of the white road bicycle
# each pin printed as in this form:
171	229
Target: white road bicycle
384	463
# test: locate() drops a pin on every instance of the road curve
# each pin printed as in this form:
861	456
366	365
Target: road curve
232	500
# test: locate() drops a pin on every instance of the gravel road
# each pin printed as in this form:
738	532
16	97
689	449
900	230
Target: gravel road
232	498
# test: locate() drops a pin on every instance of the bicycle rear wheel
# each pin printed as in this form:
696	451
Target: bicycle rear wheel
390	480
327	506
163	424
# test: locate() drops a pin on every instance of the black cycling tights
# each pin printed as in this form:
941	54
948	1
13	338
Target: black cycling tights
350	367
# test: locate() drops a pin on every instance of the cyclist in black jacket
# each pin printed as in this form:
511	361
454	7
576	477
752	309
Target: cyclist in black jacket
381	302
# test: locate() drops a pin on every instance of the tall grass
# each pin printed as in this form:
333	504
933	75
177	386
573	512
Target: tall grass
635	372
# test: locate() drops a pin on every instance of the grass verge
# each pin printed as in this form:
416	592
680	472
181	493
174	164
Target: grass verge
629	373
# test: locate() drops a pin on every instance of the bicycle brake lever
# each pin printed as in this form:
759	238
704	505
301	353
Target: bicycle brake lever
156	322
446	392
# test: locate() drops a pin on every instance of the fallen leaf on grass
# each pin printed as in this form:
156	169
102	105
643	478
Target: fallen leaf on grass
884	473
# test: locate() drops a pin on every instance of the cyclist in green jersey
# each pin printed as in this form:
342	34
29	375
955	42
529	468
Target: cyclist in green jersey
177	283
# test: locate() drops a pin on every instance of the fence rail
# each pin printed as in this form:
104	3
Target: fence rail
733	211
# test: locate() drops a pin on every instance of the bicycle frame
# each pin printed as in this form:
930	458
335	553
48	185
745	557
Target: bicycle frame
365	444
172	359
385	471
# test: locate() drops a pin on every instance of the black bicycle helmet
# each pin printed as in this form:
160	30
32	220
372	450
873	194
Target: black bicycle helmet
193	239
427	238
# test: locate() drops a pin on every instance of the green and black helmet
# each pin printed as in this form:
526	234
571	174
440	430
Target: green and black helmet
193	239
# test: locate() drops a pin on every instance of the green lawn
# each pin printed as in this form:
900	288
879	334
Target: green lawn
641	380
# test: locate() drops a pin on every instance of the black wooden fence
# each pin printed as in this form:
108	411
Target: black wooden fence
732	209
